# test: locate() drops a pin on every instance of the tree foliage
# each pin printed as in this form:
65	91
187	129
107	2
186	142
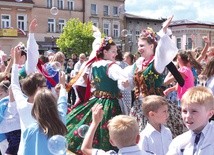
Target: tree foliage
77	37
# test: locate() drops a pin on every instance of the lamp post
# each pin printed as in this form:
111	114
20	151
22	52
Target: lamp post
52	41
130	45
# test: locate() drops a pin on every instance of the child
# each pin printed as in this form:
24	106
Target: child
155	137
183	60
9	124
50	116
123	132
197	106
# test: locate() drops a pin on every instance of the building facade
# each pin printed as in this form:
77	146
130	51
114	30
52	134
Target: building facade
134	25
52	16
108	15
188	33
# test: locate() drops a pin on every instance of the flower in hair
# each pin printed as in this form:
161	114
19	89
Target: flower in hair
149	33
104	42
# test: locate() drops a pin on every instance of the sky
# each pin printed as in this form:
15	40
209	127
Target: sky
200	10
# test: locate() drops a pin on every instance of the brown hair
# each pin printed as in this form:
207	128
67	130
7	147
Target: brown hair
45	112
106	44
150	36
209	69
4	85
32	82
153	103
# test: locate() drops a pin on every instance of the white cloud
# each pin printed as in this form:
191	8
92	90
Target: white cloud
187	9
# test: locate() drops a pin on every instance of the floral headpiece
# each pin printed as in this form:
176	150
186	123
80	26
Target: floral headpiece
104	42
149	33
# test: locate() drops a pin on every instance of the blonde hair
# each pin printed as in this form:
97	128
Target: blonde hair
198	95
58	56
153	103
123	130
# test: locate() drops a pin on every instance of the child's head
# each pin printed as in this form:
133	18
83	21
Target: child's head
155	108
123	131
45	112
32	82
197	106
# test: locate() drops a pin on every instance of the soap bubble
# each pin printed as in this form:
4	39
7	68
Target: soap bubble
57	145
82	130
54	11
124	33
50	69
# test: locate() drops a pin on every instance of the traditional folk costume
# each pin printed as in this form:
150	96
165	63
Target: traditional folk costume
148	81
104	75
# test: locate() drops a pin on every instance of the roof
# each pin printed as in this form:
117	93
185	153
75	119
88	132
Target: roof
23	1
190	22
128	15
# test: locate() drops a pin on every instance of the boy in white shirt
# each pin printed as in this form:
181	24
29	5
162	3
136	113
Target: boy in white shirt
123	133
155	137
197	106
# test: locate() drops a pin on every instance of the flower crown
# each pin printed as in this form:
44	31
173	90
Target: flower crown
104	42
149	33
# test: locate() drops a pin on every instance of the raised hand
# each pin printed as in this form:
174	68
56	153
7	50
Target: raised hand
33	26
97	113
206	39
17	54
62	78
167	23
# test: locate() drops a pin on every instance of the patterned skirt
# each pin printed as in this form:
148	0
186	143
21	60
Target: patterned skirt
82	115
174	123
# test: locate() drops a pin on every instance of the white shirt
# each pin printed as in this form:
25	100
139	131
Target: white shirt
11	119
77	67
184	143
131	150
155	141
32	54
210	83
23	107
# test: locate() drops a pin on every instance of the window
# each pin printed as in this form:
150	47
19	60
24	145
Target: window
189	43
70	5
5	21
116	30
93	9
106	28
60	4
49	4
61	24
105	10
178	41
137	33
115	11
22	22
51	25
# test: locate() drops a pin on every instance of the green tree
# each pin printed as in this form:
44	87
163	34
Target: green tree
77	37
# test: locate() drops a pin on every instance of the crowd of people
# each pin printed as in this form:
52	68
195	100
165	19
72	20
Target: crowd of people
159	103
